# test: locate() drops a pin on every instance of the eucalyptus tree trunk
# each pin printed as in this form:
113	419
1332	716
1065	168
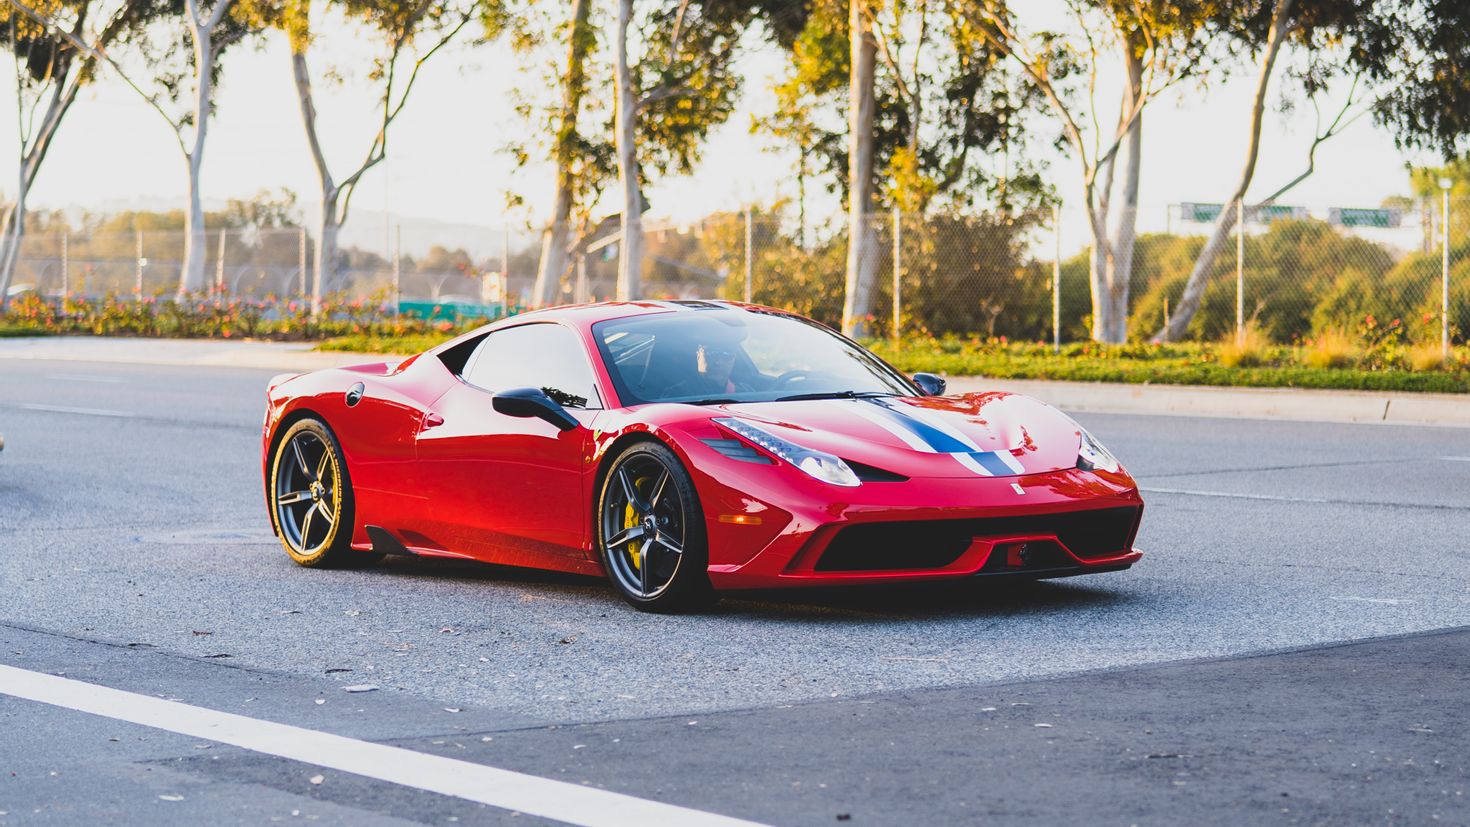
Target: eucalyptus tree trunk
553	263
630	248
201	32
1120	269
1114	226
14	231
329	221
1204	265
862	237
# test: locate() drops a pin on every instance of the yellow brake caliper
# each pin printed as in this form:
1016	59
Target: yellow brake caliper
630	519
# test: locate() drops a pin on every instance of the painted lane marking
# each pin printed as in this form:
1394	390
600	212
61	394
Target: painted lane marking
1196	493
1387	601
1456	459
505	789
82	411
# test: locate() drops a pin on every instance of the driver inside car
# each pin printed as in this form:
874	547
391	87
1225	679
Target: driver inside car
713	372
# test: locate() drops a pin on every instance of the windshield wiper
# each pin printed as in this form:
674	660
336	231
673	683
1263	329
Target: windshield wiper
721	400
833	395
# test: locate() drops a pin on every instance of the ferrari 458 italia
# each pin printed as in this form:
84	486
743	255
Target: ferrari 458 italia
682	449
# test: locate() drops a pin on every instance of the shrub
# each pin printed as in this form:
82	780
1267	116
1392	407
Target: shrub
1331	349
1426	357
1250	349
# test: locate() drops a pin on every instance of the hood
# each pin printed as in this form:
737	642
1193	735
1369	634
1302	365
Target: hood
993	434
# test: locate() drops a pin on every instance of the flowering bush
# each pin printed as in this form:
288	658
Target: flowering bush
214	314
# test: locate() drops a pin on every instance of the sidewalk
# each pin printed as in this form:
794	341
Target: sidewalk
1446	410
284	356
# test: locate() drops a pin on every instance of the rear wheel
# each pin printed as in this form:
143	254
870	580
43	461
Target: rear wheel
651	532
311	498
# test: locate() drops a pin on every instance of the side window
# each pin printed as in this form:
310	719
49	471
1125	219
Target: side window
546	356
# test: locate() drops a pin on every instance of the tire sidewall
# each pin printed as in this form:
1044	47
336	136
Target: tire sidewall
339	541
690	588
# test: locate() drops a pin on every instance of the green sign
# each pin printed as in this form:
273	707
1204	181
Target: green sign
1209	213
1354	217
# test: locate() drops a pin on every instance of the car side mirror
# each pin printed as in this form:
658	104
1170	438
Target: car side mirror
533	402
930	384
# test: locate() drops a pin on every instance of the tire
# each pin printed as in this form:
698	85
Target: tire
650	532
311	503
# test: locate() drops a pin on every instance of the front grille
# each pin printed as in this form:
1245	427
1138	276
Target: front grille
934	544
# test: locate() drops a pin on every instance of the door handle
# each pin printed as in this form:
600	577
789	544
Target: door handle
432	420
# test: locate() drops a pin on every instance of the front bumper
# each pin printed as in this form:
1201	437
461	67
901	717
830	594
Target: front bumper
1057	524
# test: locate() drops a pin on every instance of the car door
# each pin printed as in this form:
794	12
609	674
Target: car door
511	489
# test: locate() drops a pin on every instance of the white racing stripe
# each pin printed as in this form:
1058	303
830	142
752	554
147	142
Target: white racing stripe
83	411
908	437
556	800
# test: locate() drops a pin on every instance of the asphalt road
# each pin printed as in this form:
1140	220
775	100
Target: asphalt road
135	553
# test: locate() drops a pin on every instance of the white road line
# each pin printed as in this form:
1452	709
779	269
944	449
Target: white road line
556	800
1456	459
83	411
1195	493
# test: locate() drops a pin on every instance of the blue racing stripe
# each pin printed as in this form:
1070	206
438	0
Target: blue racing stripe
992	463
938	440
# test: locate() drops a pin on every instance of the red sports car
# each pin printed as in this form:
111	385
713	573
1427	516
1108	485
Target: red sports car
682	449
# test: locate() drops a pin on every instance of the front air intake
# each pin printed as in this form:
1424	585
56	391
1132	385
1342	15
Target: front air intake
918	545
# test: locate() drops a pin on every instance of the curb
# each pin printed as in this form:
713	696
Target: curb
1292	404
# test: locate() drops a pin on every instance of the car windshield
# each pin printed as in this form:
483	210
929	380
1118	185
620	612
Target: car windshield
715	356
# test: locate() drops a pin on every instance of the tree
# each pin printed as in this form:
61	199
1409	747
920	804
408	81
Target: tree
625	129
1403	63
49	73
943	103
566	147
683	83
184	74
398	25
862	236
1159	44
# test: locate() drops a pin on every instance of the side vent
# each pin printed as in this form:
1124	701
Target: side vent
868	473
738	450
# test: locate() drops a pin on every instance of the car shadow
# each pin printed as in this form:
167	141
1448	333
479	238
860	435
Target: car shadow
976	597
936	600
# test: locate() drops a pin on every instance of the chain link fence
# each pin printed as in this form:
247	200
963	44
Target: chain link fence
1288	273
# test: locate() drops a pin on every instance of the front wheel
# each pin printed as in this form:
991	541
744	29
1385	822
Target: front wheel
651	532
311	498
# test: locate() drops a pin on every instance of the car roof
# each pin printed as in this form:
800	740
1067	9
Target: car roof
583	316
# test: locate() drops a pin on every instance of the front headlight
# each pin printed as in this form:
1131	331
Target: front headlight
816	464
1092	456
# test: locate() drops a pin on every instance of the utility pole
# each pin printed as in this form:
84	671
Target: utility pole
138	263
219	264
397	267
65	263
301	258
1444	271
749	262
1240	271
1056	280
897	275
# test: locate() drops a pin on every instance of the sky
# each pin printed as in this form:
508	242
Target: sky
445	164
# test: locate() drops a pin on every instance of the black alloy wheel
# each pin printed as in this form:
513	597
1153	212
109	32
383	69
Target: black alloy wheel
651	533
311	498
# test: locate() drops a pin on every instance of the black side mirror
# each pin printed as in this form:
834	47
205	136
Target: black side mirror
930	384
533	402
